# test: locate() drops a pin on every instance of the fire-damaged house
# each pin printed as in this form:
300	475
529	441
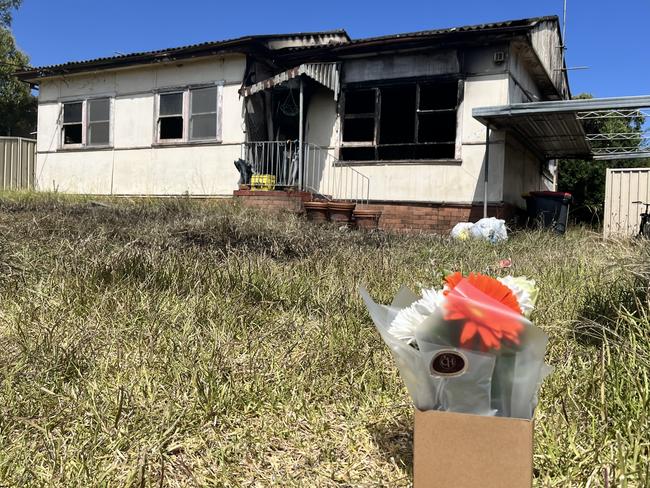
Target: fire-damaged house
384	121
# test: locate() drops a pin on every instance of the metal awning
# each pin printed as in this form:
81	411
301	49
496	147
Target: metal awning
327	74
556	130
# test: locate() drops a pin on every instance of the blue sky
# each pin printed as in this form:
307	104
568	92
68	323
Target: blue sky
609	37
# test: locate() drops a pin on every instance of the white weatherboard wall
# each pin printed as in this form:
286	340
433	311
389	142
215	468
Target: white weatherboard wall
523	170
523	173
135	164
622	187
523	87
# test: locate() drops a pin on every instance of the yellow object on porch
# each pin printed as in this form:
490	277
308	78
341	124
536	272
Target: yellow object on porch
262	182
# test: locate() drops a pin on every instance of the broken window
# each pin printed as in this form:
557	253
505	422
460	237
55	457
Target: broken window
360	116
402	121
437	104
203	114
99	118
397	119
170	116
72	123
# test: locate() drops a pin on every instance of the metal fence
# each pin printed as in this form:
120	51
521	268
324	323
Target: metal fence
322	174
275	158
624	187
328	178
17	158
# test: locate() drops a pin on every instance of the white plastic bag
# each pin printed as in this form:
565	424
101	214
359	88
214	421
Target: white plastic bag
461	231
490	229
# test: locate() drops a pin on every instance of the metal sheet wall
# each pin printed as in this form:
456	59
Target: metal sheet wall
17	158
624	186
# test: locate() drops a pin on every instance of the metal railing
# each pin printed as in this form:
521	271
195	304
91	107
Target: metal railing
322	174
326	177
276	158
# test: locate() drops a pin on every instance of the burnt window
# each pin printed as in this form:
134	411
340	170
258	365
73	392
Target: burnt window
72	123
170	116
360	116
402	121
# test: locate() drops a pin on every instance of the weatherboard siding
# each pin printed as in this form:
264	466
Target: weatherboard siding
135	164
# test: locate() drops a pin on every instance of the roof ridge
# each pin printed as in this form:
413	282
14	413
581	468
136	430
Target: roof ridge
461	28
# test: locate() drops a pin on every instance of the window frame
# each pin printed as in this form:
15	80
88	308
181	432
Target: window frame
187	115
63	125
191	114
375	143
85	123
88	123
183	115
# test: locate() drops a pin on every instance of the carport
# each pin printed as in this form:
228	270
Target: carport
563	129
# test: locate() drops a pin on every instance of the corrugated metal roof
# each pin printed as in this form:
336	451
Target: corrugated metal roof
167	52
327	74
554	129
529	22
550	134
240	42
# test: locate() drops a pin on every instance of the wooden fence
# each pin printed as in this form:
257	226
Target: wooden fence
17	159
623	187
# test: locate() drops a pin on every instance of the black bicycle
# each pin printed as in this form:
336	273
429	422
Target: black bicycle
644	228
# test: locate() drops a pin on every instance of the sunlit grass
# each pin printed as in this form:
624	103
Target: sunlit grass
182	343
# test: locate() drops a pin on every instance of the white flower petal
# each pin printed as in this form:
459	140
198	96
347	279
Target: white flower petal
524	290
431	300
407	320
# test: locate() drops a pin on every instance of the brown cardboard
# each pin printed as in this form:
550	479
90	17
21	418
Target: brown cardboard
470	451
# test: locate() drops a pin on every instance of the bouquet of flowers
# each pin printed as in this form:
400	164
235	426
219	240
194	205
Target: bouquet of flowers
467	347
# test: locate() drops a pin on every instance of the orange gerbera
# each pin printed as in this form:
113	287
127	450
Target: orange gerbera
488	308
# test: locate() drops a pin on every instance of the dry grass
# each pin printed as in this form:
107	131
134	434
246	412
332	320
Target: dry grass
179	343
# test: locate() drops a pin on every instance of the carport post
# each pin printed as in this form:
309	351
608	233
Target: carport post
300	134
487	168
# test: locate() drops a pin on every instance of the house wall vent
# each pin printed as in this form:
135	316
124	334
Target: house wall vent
499	57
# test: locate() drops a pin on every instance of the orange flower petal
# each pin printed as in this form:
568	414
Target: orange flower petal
486	305
489	338
469	330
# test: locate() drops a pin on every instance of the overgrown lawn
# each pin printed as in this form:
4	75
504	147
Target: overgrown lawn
196	343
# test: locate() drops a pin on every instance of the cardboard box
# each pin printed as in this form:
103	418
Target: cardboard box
470	451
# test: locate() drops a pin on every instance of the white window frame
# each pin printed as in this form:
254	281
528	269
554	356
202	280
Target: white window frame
63	144
184	114
187	115
85	124
191	115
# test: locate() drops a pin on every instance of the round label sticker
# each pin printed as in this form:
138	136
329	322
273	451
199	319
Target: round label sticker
448	363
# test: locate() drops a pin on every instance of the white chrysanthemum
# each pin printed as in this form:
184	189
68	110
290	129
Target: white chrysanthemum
407	320
524	290
431	300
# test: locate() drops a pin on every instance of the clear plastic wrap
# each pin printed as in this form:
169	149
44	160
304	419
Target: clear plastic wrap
465	349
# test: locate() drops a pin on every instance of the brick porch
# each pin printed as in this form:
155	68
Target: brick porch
399	216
